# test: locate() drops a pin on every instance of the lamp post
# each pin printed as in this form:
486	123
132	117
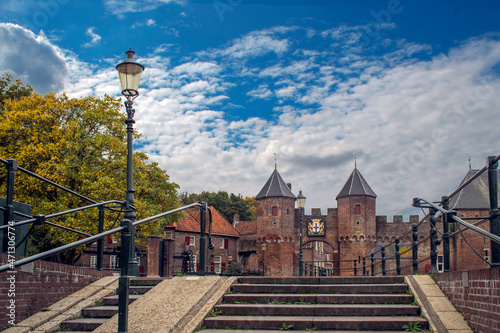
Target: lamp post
130	72
301	202
264	258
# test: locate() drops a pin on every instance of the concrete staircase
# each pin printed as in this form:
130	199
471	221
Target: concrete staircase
317	304
95	316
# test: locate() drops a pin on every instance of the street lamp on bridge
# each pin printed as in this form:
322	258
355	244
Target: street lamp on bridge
130	72
301	202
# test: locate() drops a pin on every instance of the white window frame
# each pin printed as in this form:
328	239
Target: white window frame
93	261
221	243
192	240
113	261
217	264
440	263
114	239
195	260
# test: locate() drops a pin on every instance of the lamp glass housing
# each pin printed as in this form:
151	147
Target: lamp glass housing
130	72
301	200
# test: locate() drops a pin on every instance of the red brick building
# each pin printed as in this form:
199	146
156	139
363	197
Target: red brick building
333	241
167	255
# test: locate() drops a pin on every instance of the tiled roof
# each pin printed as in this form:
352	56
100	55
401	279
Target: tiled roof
191	223
356	185
275	187
473	196
246	227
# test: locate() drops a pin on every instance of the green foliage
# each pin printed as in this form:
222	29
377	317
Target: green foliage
234	268
215	312
412	327
80	144
226	204
286	327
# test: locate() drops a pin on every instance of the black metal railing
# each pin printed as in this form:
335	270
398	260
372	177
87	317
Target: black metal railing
448	216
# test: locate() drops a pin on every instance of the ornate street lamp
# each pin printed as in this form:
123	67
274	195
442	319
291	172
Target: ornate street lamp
301	202
130	72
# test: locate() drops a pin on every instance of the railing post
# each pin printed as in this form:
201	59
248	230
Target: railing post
494	212
446	234
398	257
372	264
203	240
414	248
383	261
123	280
100	247
364	266
9	200
434	241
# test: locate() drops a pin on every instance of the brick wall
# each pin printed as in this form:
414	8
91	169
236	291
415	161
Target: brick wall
38	285
476	295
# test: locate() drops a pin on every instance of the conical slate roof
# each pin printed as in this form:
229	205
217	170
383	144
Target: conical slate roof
275	187
356	185
475	195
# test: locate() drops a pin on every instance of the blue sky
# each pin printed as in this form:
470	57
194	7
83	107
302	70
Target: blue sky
410	86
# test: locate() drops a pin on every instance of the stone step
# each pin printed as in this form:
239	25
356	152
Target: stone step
281	331
146	281
139	290
318	298
322	280
377	323
320	288
100	311
318	310
113	300
84	324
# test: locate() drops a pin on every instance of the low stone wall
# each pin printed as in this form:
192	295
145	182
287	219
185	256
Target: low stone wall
28	289
476	295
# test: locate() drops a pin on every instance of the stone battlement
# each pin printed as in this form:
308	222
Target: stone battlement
397	219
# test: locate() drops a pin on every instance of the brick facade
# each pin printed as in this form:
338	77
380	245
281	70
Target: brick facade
38	285
476	295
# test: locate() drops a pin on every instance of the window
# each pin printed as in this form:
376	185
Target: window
168	234
93	261
224	243
114	239
113	261
195	264
190	240
440	264
486	255
275	211
357	209
217	265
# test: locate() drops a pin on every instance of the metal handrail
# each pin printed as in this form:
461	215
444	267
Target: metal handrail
34	175
87	240
74	210
453	215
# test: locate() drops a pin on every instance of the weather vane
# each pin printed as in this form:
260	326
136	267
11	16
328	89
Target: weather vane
468	155
355	163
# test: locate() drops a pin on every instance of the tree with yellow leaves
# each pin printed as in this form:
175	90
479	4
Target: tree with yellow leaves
80	144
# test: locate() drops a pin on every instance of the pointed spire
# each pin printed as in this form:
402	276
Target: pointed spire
470	167
356	185
275	187
355	164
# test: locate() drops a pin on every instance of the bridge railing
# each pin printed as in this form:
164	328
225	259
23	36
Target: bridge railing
448	216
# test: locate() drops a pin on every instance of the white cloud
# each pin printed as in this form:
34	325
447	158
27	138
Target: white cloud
411	121
147	23
32	58
95	39
122	7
